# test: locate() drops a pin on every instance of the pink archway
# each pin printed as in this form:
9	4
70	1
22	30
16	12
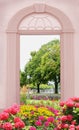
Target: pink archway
67	58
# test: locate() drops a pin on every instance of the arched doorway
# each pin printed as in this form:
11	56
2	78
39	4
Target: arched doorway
15	29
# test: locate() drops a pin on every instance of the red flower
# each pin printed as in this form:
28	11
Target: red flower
50	119
7	126
69	103
69	117
38	123
77	127
46	123
7	110
17	119
72	127
1	125
73	122
76	99
4	116
59	127
14	109
62	104
41	118
19	124
77	105
64	118
32	112
32	128
65	126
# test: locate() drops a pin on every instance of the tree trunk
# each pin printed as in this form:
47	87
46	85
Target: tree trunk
38	88
56	86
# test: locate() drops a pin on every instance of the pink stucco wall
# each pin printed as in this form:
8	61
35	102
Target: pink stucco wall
8	9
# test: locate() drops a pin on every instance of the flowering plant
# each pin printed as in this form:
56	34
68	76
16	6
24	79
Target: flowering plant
9	119
69	119
28	117
38	117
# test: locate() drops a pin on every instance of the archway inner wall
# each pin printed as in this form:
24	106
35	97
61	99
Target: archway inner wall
67	58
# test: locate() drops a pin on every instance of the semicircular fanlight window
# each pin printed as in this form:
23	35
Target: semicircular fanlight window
40	21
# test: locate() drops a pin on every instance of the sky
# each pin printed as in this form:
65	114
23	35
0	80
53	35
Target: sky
30	43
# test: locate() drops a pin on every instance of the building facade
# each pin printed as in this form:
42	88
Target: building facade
14	21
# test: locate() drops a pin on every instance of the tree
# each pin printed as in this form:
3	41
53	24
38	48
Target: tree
33	69
44	65
50	64
22	78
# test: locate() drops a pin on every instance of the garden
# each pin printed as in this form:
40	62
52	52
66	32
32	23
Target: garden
42	115
40	106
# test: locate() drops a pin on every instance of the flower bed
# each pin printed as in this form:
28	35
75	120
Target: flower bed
46	96
69	119
9	119
28	117
40	117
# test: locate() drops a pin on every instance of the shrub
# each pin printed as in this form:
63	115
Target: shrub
28	117
45	96
38	117
70	114
23	98
42	86
42	117
9	119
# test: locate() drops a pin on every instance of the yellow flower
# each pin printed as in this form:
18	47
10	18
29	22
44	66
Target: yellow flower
26	111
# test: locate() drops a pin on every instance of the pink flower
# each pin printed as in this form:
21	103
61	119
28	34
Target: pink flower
50	119
69	117
7	110
32	128
73	122
46	123
17	119
55	129
4	116
41	118
19	124
1	125
76	99
77	127
65	126
32	112
38	123
14	109
69	103
72	126
77	105
72	129
62	104
64	118
7	126
59	127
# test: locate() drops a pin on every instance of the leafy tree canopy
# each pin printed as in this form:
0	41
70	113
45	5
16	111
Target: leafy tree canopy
44	65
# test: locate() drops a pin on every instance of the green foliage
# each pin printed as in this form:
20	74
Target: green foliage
44	65
22	98
22	79
54	104
69	114
45	86
42	86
